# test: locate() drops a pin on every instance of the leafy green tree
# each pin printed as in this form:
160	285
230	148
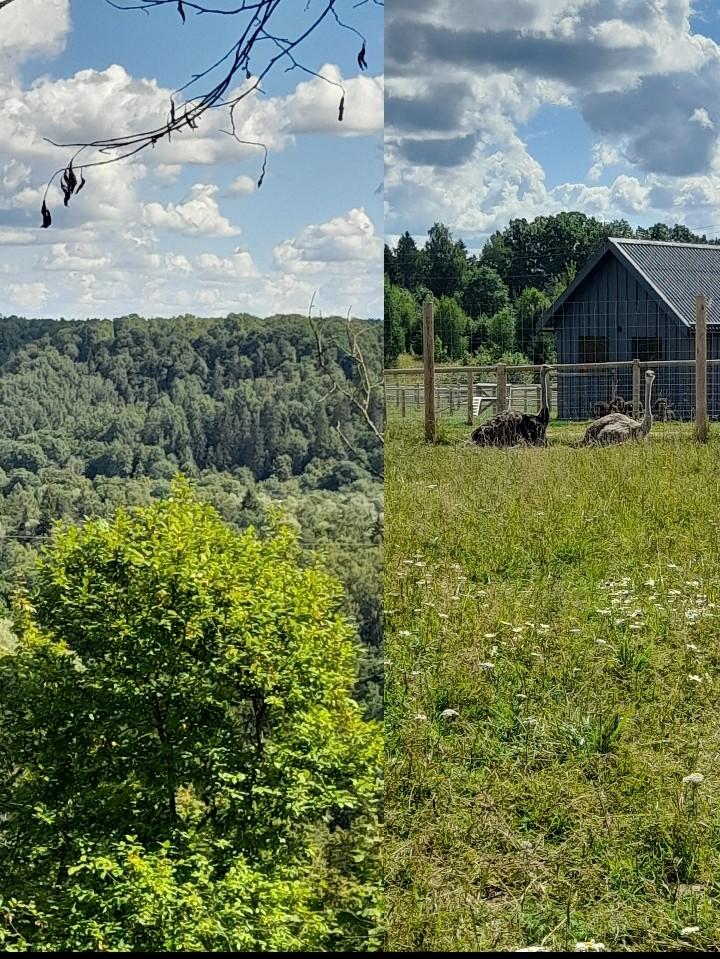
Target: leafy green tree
402	317
501	331
409	262
529	307
444	262
484	292
182	765
390	261
450	326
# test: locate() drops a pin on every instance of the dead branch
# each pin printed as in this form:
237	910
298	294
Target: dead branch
359	394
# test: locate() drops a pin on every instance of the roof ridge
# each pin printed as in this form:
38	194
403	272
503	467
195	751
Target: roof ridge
637	241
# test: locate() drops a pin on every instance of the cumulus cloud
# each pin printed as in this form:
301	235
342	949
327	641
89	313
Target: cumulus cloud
243	185
199	214
32	28
30	296
138	237
461	88
339	242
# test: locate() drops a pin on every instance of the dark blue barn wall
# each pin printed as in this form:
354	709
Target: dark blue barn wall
612	303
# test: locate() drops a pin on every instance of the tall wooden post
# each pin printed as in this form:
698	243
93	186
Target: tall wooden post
470	399
429	369
501	387
701	420
636	388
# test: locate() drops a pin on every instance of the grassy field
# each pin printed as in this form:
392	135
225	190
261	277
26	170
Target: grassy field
552	720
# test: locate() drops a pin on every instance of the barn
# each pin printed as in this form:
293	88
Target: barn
636	299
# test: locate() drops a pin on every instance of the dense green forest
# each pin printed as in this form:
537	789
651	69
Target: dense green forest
100	414
190	635
488	305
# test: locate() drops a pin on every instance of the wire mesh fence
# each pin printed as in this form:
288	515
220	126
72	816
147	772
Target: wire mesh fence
578	393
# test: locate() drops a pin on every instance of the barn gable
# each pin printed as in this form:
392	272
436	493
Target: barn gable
635	300
671	274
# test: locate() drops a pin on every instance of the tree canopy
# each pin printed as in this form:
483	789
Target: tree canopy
183	765
489	302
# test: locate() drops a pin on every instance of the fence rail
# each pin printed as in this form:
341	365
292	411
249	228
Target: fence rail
579	391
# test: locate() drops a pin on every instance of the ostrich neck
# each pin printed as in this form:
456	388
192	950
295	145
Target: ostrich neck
544	391
647	418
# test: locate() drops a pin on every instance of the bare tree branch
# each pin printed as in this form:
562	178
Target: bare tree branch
4	3
360	393
258	38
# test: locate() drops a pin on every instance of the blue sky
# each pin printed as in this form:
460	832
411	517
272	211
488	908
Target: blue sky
183	229
609	108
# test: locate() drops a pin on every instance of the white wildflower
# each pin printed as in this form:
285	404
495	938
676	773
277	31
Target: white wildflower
405	633
420	717
590	946
486	665
693	779
689	930
694	678
449	714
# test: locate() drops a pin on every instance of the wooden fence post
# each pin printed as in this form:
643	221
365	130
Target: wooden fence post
636	388
701	420
402	402
470	399
429	369
501	387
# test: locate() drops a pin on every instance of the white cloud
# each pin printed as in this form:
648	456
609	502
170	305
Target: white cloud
237	266
28	295
108	252
638	74
32	27
701	116
199	214
78	256
313	105
243	185
340	241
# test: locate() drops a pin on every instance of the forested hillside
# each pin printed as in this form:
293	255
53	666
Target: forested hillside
102	413
488	305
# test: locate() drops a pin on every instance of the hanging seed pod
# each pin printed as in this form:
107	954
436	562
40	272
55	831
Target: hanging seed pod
46	218
362	62
341	110
181	10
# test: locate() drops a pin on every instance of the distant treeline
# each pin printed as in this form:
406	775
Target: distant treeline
102	413
488	305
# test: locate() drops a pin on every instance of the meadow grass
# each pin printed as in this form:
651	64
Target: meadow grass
553	679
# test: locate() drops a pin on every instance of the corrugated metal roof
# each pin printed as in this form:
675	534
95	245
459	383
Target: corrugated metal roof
678	272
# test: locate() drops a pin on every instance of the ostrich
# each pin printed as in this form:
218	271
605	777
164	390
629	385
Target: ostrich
511	428
617	427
